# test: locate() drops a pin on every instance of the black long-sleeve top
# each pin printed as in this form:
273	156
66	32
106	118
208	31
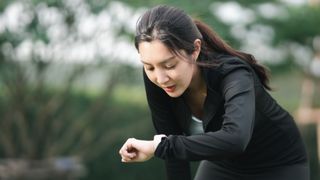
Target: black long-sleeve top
245	129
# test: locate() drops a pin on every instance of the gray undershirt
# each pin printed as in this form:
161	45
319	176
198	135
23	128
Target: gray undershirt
195	126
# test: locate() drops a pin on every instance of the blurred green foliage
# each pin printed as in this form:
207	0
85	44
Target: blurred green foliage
45	114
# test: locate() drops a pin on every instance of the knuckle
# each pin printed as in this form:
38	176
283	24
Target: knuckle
131	139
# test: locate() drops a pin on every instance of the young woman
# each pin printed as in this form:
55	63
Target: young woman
210	103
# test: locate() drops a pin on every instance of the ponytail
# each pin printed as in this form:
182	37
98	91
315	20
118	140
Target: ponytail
211	42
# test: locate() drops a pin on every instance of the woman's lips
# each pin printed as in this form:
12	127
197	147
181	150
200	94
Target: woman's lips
169	88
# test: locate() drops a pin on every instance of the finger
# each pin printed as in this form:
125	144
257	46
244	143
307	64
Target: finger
127	160
133	155
125	154
124	147
128	156
122	151
130	144
127	150
123	159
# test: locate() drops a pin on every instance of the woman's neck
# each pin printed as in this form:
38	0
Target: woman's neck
198	85
196	94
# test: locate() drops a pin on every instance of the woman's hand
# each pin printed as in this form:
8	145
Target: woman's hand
134	150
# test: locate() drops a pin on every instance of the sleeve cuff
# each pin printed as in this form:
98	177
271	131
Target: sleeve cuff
162	147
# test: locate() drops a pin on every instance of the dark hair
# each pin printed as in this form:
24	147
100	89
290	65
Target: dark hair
176	30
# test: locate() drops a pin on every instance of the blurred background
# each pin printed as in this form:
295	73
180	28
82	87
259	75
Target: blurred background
71	89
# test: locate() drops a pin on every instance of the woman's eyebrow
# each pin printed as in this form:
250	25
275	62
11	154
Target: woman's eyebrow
161	62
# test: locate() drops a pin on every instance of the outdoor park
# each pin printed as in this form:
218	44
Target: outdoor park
71	85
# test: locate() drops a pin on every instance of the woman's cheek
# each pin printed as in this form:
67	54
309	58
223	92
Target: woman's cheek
151	77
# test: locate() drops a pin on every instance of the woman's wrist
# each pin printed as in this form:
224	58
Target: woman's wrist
156	140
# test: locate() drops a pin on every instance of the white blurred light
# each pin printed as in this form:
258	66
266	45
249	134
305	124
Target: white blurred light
272	11
265	53
24	50
295	2
315	66
238	31
49	16
16	17
81	52
232	13
87	27
92	37
316	43
302	54
257	41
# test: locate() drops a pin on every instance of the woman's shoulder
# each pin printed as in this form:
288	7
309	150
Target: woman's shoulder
224	65
229	63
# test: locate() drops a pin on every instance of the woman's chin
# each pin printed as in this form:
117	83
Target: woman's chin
174	94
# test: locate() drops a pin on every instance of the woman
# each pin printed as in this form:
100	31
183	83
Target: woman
210	103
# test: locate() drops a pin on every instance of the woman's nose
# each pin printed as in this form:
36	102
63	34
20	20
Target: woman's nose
162	77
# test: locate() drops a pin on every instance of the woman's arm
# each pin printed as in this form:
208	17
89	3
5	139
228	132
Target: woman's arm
164	122
235	133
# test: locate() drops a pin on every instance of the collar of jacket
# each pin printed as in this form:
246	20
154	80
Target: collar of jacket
212	102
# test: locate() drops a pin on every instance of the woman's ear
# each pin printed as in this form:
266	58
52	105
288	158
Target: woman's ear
197	49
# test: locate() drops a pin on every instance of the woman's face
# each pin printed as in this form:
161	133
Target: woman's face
172	73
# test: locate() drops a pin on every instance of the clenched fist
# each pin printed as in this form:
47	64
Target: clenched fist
135	150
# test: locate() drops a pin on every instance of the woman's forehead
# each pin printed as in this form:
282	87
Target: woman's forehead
154	52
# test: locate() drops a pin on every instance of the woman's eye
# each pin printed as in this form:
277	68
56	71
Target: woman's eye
149	68
170	66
